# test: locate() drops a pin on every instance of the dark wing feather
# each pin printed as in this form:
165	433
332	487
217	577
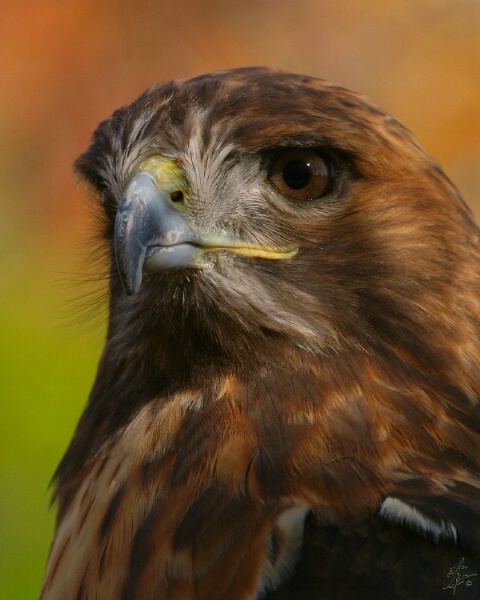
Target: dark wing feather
378	560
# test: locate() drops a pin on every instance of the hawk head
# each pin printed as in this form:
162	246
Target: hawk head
252	209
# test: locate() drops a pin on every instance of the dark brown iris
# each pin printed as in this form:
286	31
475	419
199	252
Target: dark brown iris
301	174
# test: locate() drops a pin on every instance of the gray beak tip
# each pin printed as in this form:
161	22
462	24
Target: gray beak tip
145	220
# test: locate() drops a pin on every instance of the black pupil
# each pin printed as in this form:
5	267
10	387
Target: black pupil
297	174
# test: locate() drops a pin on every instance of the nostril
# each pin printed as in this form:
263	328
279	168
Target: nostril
176	196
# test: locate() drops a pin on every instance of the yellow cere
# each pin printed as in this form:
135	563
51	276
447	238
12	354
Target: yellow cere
169	177
167	174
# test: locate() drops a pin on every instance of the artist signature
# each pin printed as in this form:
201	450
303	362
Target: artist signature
457	577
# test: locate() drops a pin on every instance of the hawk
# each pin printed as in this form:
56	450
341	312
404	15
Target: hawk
287	405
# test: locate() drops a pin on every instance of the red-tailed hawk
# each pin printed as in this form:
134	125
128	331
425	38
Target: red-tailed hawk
287	406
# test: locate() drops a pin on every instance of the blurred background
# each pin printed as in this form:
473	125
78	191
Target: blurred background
67	65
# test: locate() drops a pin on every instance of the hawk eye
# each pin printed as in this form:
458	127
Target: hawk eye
301	174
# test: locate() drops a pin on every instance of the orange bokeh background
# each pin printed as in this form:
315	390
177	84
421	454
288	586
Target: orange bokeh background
65	66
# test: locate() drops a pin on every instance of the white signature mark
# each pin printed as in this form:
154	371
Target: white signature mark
458	578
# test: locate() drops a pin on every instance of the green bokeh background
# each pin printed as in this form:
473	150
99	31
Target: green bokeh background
65	66
46	371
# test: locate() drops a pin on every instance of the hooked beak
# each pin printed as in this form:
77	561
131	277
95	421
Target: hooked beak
152	234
